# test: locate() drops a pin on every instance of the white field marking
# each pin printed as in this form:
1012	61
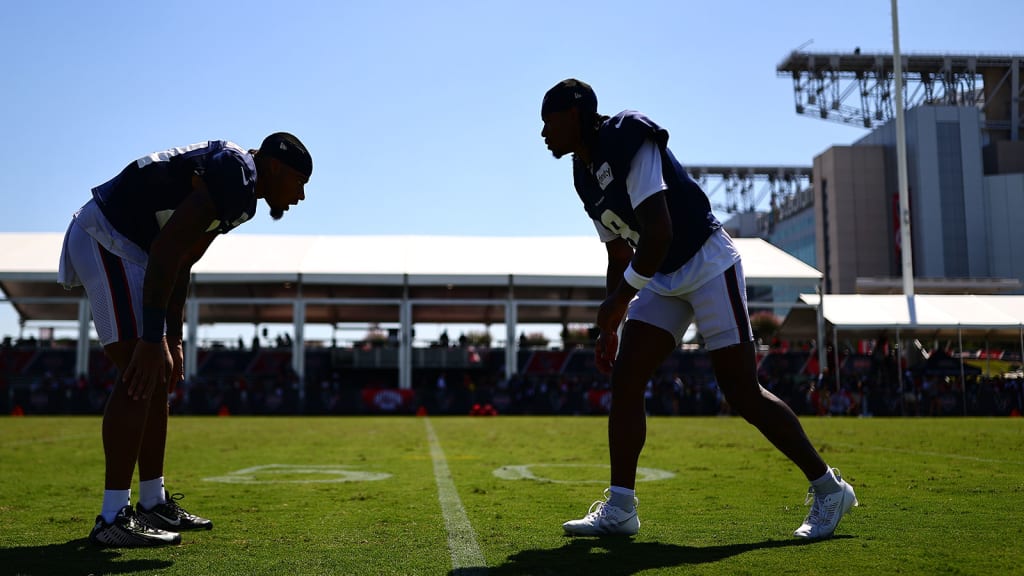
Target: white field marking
926	453
47	440
466	556
328	474
525	472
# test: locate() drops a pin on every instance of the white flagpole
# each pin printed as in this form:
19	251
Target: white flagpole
906	249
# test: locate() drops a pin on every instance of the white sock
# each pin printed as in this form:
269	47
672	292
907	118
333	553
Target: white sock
113	501
151	492
621	498
827	484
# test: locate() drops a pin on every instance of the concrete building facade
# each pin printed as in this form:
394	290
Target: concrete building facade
964	221
852	215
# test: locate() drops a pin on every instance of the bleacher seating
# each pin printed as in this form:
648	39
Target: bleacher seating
41	379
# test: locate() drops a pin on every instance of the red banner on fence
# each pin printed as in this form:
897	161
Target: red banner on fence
388	399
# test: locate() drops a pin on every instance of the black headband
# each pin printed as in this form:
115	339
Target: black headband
287	148
567	94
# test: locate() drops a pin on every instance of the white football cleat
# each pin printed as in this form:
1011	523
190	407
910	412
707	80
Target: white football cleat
603	519
826	511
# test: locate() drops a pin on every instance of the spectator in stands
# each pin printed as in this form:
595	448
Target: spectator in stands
669	262
840	403
132	246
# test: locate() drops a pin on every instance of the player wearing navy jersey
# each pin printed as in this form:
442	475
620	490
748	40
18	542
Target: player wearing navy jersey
132	246
670	263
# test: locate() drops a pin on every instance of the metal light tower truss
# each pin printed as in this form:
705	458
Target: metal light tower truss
736	189
858	88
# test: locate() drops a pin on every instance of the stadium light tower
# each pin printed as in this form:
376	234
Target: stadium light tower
906	248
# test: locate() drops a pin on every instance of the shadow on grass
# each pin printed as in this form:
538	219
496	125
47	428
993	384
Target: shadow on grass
618	556
74	557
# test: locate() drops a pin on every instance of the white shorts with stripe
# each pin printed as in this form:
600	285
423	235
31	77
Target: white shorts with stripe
709	289
113	284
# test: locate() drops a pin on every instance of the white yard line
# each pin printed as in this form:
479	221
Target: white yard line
466	556
49	440
926	453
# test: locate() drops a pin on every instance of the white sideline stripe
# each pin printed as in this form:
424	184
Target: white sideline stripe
46	440
926	453
466	556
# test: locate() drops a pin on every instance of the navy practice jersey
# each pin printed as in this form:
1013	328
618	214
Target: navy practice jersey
142	198
602	187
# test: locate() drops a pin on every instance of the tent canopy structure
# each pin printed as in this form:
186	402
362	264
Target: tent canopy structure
463	279
451	279
370	279
922	314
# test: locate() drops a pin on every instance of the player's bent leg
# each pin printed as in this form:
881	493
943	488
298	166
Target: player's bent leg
124	421
642	349
736	372
830	496
154	437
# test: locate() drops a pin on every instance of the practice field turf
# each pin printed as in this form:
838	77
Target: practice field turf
487	495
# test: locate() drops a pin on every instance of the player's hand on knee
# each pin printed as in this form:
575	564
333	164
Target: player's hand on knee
150	366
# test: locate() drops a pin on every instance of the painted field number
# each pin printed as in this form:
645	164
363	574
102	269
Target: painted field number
297	474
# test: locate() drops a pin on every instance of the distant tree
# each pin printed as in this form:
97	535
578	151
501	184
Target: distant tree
765	325
481	338
534	340
579	336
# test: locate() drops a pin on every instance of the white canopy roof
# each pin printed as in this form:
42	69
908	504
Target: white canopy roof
25	255
559	269
925	313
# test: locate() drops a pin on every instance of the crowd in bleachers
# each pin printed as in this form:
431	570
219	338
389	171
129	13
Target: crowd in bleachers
39	378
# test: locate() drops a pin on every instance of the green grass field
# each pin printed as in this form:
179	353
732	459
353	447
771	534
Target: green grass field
297	496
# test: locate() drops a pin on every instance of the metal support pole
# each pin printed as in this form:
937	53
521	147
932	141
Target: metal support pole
988	358
405	343
822	348
82	348
963	376
899	370
299	345
511	342
835	353
191	339
906	248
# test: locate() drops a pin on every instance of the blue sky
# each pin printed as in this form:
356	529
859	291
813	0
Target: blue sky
423	117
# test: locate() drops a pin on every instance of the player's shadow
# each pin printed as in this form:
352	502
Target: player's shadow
614	556
74	557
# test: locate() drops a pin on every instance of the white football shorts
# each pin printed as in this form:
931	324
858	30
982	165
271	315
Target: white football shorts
710	290
113	285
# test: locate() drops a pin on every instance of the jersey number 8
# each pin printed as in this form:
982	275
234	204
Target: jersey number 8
612	222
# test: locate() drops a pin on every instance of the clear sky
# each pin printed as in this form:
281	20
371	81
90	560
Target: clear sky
423	117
